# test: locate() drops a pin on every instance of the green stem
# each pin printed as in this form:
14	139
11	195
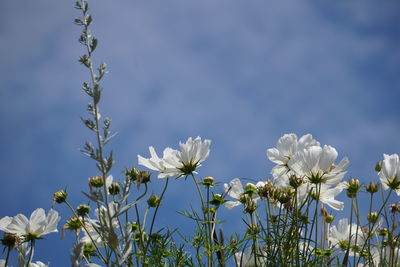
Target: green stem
8	254
31	253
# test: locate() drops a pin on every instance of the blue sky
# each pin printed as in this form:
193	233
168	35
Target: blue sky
241	73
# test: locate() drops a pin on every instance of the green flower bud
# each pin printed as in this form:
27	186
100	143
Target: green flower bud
329	218
372	217
114	188
372	188
134	226
60	196
96	181
153	201
83	210
217	200
251	188
74	224
378	166
132	174
253	229
143	177
208	181
89	250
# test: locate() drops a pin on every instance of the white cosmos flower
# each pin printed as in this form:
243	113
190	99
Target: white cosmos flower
317	164
38	264
339	236
38	224
326	194
246	259
178	162
286	147
390	173
235	190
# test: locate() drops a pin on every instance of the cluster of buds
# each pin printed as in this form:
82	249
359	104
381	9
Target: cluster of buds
137	176
269	191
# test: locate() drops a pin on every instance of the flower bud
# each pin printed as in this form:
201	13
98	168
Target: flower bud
96	181
217	200
295	181
89	250
10	240
60	196
143	177
251	189
114	188
244	198
134	227
83	210
353	185
153	201
329	218
372	217
378	166
74	224
372	188
253	229
250	207
383	232
208	181
132	174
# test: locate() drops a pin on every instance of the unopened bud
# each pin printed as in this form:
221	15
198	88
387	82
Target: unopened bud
60	196
83	210
253	229
153	201
74	224
329	218
353	185
114	188
143	177
295	181
134	226
217	200
96	181
372	188
372	217
208	181
250	207
378	166
132	174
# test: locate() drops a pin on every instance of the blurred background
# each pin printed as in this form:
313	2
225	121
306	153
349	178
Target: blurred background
241	73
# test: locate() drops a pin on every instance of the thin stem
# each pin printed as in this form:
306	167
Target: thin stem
154	216
30	253
87	232
8	254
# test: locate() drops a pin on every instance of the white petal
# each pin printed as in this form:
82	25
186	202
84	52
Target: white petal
18	225
52	221
4	222
236	188
327	158
37	221
231	204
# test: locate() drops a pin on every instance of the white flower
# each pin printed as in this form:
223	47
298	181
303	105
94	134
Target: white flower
37	264
99	228
390	173
178	163
4	222
235	190
246	259
326	194
38	224
317	165
286	147
339	237
159	164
